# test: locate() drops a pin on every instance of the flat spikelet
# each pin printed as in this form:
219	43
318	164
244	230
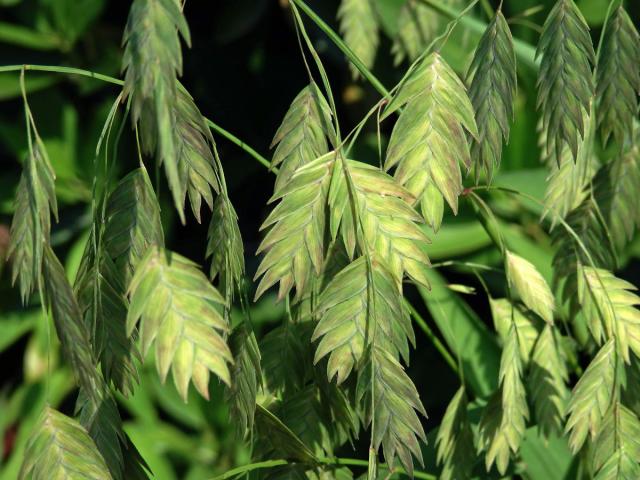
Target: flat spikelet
615	188
75	341
505	314
532	288
547	382
455	448
418	25
247	379
592	396
224	244
152	60
69	324
132	224
616	449
359	28
356	309
618	78
567	185
60	448
393	410
195	154
390	226
587	223
31	225
294	244
177	308
492	85
302	136
429	140
610	307
503	422
565	81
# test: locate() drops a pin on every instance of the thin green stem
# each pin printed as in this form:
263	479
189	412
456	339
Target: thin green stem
58	69
345	462
472	265
115	81
235	140
488	9
335	38
432	337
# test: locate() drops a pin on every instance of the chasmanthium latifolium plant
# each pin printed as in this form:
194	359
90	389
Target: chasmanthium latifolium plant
344	239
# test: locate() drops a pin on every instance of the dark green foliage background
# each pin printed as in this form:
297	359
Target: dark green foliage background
243	71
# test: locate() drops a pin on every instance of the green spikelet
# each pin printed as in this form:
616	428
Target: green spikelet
618	78
492	84
565	80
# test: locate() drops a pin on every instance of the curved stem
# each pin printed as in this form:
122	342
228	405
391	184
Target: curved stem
335	38
116	81
236	141
58	69
345	462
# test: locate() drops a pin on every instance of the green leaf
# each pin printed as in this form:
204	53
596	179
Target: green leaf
547	381
609	304
390	400
177	308
283	357
618	78
152	60
31	225
492	84
61	448
616	449
390	227
359	28
565	81
530	286
359	308
247	378
288	443
295	241
592	397
302	136
465	334
456	450
504	420
429	140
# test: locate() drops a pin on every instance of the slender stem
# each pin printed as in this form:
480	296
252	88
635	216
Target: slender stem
250	467
335	38
488	9
116	81
235	140
432	337
58	69
352	462
525	52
